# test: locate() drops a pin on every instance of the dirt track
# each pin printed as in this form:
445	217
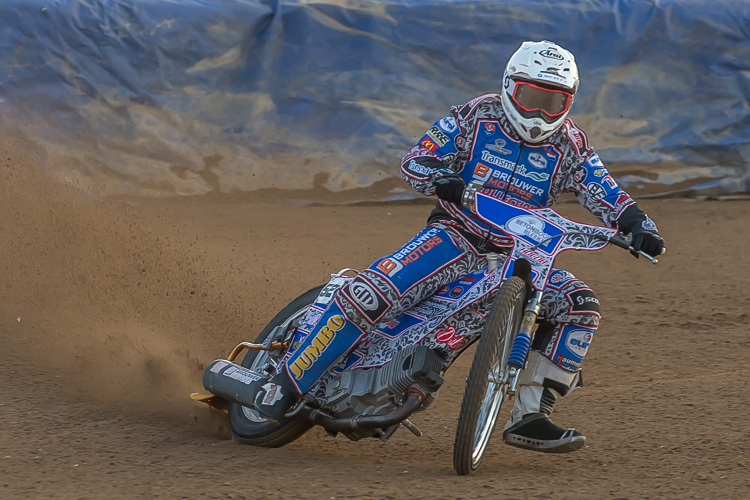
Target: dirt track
109	310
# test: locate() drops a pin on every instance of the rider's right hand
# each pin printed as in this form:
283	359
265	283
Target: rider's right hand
449	186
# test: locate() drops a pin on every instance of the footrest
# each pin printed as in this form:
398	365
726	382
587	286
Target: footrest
212	400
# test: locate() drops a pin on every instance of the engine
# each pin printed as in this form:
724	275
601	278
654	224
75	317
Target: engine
379	390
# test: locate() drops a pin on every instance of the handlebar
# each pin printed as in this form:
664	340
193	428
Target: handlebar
625	240
620	240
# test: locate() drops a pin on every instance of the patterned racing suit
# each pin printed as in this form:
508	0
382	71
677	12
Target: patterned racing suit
477	142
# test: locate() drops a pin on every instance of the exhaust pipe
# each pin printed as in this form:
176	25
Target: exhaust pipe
232	382
235	383
360	422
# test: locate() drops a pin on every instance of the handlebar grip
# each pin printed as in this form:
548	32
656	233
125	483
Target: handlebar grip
621	241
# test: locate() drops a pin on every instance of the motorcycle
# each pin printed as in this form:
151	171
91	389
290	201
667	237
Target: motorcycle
398	369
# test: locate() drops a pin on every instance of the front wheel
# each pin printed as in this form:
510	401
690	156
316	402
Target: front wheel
487	382
247	424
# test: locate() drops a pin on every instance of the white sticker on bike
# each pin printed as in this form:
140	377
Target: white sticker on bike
527	225
326	293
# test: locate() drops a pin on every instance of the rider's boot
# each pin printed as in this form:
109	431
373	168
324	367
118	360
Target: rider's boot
529	427
276	396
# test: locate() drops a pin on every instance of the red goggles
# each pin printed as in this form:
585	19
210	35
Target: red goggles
533	99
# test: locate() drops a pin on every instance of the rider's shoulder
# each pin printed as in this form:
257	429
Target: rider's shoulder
577	137
486	101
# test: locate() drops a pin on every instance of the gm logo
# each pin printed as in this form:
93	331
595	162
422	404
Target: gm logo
365	296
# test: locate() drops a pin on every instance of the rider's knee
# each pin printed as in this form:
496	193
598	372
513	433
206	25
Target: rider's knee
364	300
584	307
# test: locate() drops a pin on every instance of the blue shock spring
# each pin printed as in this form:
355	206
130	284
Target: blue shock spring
520	351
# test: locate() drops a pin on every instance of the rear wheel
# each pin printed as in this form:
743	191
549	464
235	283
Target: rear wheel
487	382
247	424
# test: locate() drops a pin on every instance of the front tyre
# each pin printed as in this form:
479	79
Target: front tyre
248	425
487	383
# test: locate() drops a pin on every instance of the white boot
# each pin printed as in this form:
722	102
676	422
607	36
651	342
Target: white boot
539	386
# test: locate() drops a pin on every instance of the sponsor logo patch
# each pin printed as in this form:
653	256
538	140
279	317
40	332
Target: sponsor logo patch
418	246
551	54
533	256
483	172
273	394
451	338
240	375
319	344
583	301
596	191
578	342
499	180
609	181
595	161
428	144
366	297
418	168
567	363
580	175
437	136
577	138
498	147
527	225
326	293
389	267
648	224
537	160
448	124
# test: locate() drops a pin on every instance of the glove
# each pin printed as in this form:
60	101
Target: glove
449	187
646	239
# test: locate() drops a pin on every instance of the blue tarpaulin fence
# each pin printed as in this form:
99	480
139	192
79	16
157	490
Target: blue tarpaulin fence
159	97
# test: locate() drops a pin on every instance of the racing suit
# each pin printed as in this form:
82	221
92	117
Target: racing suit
477	142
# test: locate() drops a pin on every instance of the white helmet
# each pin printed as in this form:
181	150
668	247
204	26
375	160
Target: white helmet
539	86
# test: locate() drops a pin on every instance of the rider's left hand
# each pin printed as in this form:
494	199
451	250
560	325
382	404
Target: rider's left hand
647	241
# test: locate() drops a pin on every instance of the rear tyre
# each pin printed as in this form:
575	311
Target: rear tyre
248	425
485	387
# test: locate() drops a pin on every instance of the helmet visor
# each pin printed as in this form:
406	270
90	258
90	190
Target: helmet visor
534	100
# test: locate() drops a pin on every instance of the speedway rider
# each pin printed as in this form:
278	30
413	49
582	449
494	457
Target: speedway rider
520	142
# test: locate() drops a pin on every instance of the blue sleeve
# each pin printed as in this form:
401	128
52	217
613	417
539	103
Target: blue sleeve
598	191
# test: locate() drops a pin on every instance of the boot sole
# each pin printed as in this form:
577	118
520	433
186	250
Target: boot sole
566	445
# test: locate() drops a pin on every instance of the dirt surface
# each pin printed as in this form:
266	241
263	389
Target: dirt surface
110	309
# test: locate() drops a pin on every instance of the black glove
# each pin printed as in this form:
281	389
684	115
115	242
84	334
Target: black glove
449	187
646	240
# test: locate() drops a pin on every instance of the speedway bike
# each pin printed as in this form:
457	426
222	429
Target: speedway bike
398	369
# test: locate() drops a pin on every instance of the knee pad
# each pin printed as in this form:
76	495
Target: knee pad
583	301
569	345
362	299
